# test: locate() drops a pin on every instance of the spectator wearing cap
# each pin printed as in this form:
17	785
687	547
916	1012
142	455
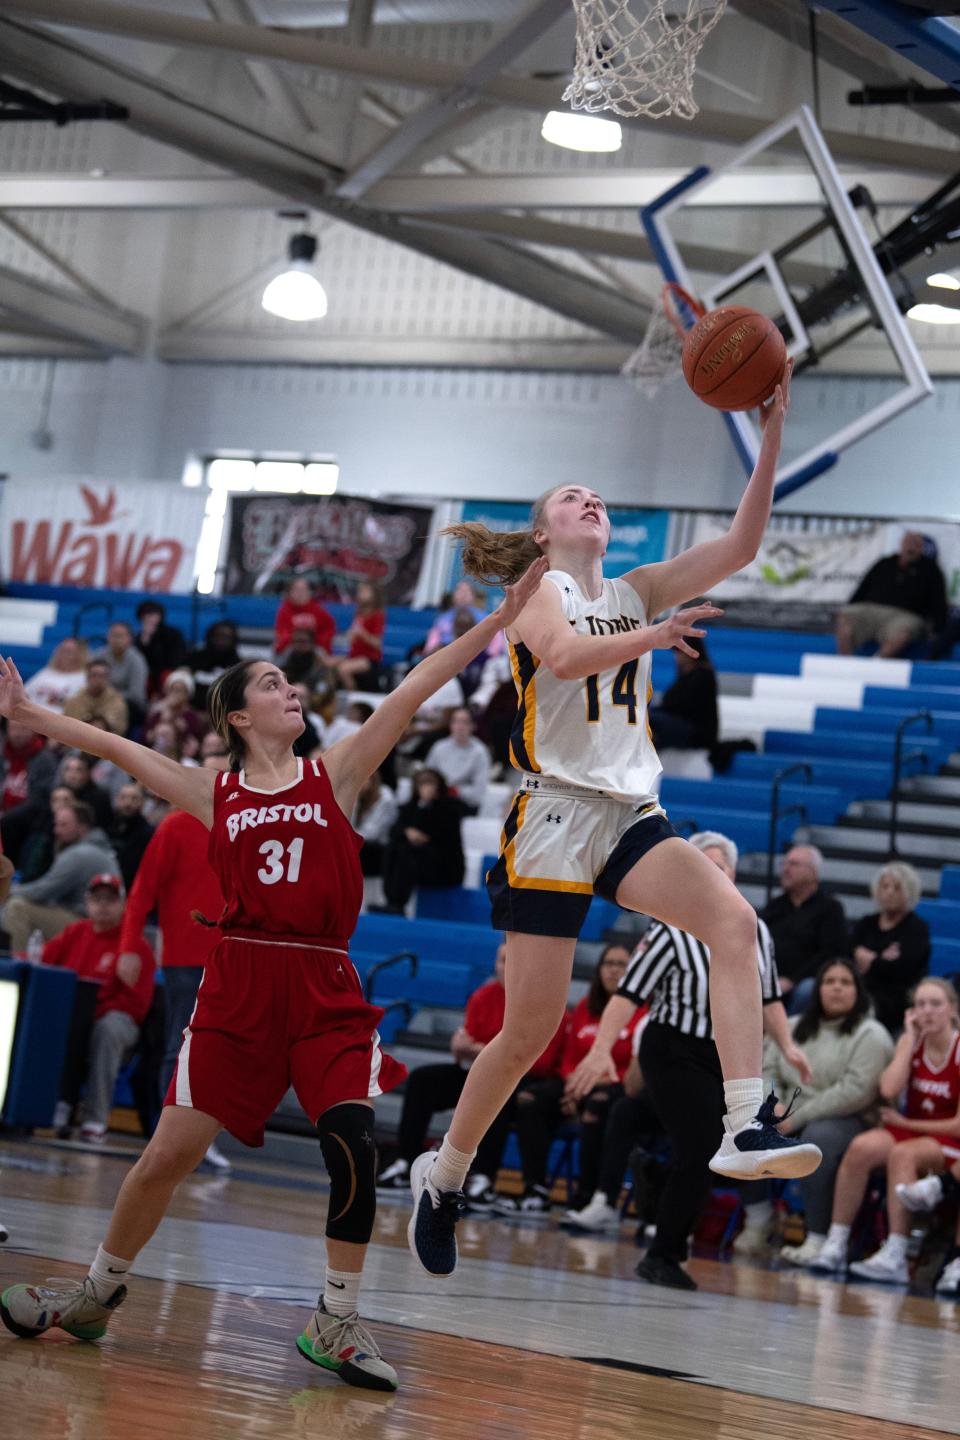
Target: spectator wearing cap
56	899
161	645
95	1052
99	700
901	599
129	832
128	669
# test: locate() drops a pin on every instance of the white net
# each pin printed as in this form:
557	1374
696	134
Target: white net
658	358
638	57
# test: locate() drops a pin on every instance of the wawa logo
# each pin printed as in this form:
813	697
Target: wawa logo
107	548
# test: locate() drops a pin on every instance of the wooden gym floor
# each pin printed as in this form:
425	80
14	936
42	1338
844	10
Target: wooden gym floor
539	1334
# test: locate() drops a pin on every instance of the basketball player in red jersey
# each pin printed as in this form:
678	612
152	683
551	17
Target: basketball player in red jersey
924	1136
280	1002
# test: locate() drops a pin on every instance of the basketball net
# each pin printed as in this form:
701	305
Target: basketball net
636	59
659	357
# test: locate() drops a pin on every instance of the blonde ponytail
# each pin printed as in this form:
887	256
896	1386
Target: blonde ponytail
497	557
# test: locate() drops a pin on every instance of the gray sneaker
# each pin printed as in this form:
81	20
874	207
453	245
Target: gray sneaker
29	1310
343	1345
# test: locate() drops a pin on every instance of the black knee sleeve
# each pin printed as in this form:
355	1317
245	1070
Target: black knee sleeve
346	1138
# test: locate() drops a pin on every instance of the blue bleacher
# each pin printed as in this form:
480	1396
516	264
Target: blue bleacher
856	779
823	803
943	917
946	723
912	697
849	743
945	956
472	907
950	882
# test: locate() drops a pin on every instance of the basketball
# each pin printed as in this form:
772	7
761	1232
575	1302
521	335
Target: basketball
734	358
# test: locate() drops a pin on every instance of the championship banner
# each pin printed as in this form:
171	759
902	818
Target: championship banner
101	534
334	541
819	564
637	537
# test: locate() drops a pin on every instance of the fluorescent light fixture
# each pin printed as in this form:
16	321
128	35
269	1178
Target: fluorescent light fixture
279	477
581	132
296	294
236	475
321	478
934	314
942	281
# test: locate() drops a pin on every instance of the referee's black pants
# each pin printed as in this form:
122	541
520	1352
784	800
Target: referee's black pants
685	1083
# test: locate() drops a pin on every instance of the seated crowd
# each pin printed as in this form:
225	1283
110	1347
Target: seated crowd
631	1076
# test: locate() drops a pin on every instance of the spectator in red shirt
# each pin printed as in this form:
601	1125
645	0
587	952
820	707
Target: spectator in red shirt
542	1106
300	611
175	879
361	665
430	1088
91	947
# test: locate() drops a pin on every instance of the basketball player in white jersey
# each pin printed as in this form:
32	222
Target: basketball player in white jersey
586	819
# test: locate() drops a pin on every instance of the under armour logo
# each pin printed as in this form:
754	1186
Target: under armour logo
555	818
533	784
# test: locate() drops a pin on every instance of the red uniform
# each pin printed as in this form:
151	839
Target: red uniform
174	878
312	616
582	1030
483	1019
374	623
93	955
280	1003
933	1095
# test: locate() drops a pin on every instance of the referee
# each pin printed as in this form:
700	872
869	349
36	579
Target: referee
681	1068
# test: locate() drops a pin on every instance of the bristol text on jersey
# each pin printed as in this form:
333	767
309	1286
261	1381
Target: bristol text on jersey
251	818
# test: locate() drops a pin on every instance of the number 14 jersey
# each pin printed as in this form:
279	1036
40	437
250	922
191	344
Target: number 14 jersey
288	860
593	731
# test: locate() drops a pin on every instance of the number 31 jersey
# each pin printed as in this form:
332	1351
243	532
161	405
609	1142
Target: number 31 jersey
593	731
288	860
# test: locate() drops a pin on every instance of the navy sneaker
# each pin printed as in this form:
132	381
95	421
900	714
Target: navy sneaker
758	1151
431	1233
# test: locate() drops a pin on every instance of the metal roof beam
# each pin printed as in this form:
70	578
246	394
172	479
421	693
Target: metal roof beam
112	332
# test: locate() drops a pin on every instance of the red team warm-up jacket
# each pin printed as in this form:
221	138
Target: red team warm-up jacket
175	878
94	957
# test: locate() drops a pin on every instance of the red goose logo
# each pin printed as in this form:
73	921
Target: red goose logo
104	546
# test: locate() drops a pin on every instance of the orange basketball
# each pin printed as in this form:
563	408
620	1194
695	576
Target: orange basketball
734	358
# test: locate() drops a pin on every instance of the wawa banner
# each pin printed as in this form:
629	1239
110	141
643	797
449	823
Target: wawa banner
105	534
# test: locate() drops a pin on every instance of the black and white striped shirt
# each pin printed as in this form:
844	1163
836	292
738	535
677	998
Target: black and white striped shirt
671	970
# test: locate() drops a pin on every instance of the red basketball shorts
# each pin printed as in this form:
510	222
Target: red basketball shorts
270	1015
949	1144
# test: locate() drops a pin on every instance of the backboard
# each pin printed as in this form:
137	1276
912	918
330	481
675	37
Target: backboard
776	229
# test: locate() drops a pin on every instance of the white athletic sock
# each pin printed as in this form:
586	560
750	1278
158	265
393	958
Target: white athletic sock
341	1291
895	1247
838	1234
757	1216
107	1272
451	1166
743	1099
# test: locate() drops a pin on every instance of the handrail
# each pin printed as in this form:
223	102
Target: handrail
385	965
405	1005
776	814
899	760
688	823
84	609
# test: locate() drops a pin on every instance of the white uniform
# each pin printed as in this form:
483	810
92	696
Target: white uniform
591	732
586	810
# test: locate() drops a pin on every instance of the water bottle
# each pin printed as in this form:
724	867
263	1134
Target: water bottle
35	947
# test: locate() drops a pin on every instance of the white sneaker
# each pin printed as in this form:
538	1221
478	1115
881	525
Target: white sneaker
479	1192
804	1254
598	1215
883	1267
752	1243
395	1177
62	1113
91	1133
924	1194
216	1159
949	1282
758	1150
831	1259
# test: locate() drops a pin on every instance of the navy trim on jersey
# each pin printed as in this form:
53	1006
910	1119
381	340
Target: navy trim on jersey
524	670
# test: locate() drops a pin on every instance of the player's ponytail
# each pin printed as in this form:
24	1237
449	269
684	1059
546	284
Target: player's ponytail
228	693
499	557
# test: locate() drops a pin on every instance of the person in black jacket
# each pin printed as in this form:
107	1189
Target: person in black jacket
425	847
161	645
686	718
891	949
900	600
808	925
129	832
208	662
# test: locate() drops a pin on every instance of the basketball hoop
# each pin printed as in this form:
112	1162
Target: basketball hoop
658	358
636	59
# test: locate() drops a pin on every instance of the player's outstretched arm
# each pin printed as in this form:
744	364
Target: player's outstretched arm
695	571
547	633
188	788
351	762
